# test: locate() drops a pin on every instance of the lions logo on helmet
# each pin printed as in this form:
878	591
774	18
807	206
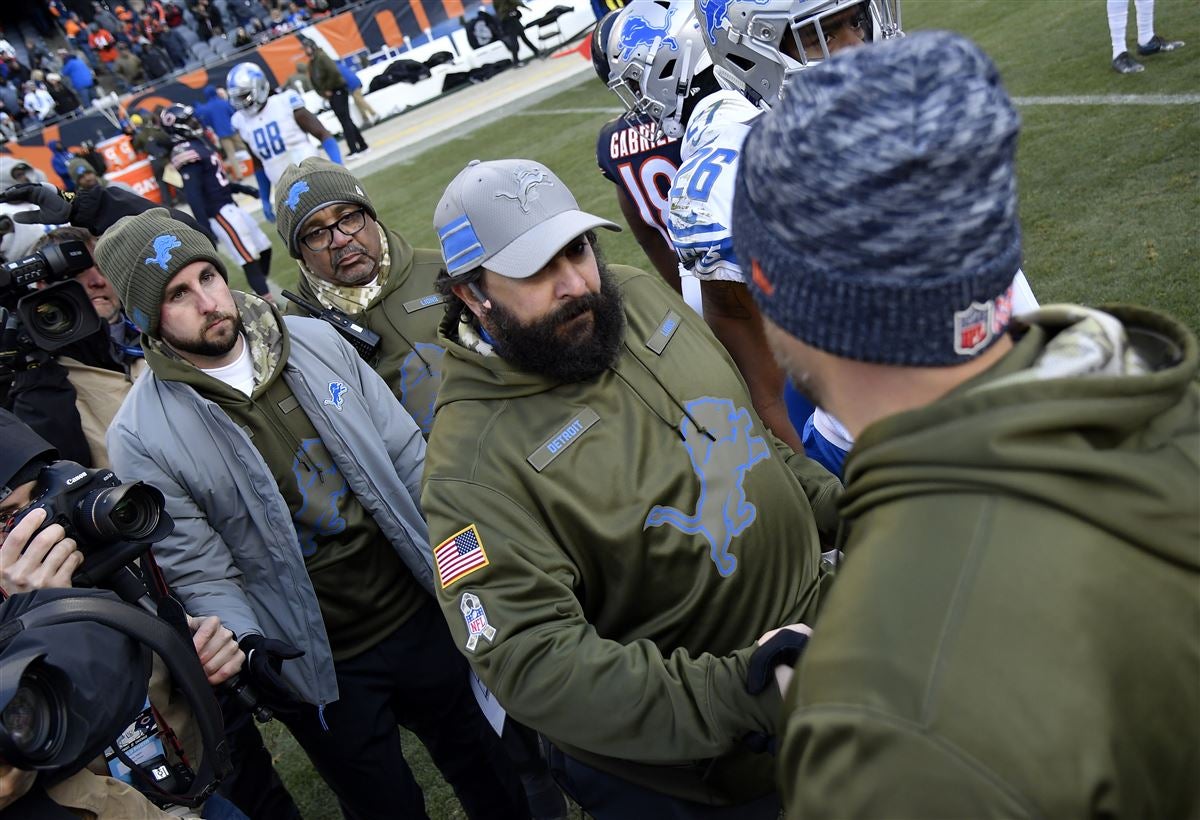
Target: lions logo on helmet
760	43
248	87
655	52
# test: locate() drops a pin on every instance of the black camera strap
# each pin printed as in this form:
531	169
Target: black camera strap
179	657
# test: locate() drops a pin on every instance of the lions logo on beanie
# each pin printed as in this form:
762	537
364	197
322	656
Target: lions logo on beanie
308	187
141	254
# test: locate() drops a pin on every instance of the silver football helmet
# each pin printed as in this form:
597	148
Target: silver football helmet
248	87
655	50
760	43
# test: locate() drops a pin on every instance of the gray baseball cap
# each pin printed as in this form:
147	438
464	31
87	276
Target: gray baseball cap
510	215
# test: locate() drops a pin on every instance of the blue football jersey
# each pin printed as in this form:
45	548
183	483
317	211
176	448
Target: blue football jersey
203	174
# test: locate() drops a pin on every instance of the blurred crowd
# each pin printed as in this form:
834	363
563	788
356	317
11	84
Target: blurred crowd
79	51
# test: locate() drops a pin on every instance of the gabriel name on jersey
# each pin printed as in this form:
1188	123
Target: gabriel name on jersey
633	153
273	135
701	196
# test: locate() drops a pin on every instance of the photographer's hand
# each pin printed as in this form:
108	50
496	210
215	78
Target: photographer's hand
218	649
14	783
264	667
42	562
53	207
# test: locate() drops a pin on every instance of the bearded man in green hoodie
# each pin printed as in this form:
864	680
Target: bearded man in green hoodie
293	476
613	528
1013	632
350	262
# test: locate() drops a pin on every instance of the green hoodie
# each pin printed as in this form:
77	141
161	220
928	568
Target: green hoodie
1015	631
363	587
324	73
610	550
405	314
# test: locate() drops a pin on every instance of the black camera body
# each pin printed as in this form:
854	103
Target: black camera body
111	522
58	315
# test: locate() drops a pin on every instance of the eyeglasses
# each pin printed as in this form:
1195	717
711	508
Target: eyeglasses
348	224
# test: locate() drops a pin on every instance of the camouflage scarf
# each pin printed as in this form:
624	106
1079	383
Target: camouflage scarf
348	299
260	326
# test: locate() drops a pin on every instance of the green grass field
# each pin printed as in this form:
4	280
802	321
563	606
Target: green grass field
1110	200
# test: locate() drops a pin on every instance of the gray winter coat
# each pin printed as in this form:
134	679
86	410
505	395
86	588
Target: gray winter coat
234	552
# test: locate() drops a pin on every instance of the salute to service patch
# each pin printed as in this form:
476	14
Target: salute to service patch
459	555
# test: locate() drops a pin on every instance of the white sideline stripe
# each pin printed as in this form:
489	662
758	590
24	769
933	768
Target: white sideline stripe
1095	99
1113	99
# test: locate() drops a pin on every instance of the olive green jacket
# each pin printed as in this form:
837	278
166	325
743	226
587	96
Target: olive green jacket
405	314
324	74
1015	631
640	530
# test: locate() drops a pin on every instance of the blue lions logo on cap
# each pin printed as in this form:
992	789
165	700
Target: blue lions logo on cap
639	31
163	245
293	198
716	15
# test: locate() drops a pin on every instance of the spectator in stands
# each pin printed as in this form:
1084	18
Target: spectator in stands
155	61
174	15
206	17
77	35
296	15
40	57
241	37
107	20
127	66
38	102
65	100
354	86
77	73
12	70
128	24
8	126
175	46
327	80
216	112
10	103
103	43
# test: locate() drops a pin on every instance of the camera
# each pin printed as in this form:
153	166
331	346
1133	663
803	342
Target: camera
60	314
111	522
74	667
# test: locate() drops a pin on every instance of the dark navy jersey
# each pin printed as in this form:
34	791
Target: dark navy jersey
633	152
204	180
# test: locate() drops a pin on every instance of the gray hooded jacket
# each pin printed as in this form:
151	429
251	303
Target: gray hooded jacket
235	552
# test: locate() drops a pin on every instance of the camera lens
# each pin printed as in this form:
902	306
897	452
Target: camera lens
130	512
33	719
55	319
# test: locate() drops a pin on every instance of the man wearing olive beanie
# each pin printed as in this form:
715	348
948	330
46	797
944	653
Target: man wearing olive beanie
352	263
293	476
1021	507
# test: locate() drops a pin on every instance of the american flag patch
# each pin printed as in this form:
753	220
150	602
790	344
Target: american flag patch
459	556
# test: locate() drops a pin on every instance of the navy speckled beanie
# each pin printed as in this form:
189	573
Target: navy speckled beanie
878	204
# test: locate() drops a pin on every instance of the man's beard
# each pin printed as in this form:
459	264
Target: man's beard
203	346
539	347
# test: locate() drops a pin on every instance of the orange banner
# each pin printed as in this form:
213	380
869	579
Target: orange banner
343	34
454	8
389	28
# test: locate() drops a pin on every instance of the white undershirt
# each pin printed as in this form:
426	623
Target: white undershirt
238	374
